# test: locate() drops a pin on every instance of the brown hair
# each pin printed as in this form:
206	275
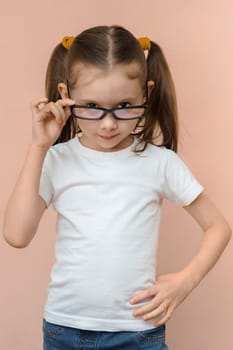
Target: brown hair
103	47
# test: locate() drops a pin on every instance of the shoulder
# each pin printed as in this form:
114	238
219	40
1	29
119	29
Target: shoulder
61	148
164	159
58	152
156	151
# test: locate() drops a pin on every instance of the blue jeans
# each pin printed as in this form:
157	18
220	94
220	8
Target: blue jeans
58	337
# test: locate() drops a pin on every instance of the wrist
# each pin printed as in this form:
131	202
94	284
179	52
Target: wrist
189	278
38	148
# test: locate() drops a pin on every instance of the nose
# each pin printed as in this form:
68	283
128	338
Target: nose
108	122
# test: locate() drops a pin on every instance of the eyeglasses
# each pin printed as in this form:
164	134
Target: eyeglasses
97	113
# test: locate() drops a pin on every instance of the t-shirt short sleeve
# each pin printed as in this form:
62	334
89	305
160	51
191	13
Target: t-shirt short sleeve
180	185
45	186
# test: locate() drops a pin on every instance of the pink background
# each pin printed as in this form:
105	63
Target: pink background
196	37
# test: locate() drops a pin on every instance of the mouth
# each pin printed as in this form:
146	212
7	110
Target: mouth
107	137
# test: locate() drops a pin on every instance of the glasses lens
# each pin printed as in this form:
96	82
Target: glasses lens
130	112
89	113
122	113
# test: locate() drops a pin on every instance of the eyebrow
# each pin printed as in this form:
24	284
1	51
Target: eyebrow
85	100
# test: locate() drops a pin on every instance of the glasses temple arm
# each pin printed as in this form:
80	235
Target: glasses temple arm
68	88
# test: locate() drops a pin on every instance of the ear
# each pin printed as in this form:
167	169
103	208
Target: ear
62	89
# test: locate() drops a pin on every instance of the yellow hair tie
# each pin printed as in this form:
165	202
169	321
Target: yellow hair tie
67	41
145	43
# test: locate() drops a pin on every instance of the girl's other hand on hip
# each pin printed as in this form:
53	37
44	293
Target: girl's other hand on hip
167	293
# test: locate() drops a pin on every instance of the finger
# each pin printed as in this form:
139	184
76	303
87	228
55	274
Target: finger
64	107
164	319
153	304
160	311
36	103
150	306
56	112
50	111
65	102
61	112
144	295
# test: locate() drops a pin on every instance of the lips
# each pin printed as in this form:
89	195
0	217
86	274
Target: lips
107	137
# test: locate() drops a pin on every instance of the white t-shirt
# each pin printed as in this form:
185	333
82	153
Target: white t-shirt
108	206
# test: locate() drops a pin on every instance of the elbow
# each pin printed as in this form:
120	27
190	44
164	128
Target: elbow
227	231
14	243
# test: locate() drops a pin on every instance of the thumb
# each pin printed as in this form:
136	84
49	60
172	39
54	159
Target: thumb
67	111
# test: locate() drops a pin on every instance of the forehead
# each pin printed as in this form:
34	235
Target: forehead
114	81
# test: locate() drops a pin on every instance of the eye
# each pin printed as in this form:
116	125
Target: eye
124	104
91	105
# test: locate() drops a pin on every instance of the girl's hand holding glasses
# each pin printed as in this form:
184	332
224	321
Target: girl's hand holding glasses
48	120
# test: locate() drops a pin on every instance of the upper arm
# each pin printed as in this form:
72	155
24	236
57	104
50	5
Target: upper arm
17	233
205	213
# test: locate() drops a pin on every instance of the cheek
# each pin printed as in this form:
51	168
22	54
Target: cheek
91	126
86	125
133	123
128	126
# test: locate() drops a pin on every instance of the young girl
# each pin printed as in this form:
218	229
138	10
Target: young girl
95	155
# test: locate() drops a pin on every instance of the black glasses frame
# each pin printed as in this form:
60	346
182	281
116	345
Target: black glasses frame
112	110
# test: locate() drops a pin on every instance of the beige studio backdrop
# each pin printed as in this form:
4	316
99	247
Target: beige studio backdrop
196	37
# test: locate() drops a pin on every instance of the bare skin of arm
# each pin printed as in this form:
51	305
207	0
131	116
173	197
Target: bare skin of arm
171	289
25	207
217	234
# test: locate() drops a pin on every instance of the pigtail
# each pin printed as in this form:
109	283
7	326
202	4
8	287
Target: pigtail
56	73
162	109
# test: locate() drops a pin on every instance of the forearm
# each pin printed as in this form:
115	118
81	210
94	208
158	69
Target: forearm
212	245
23	210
